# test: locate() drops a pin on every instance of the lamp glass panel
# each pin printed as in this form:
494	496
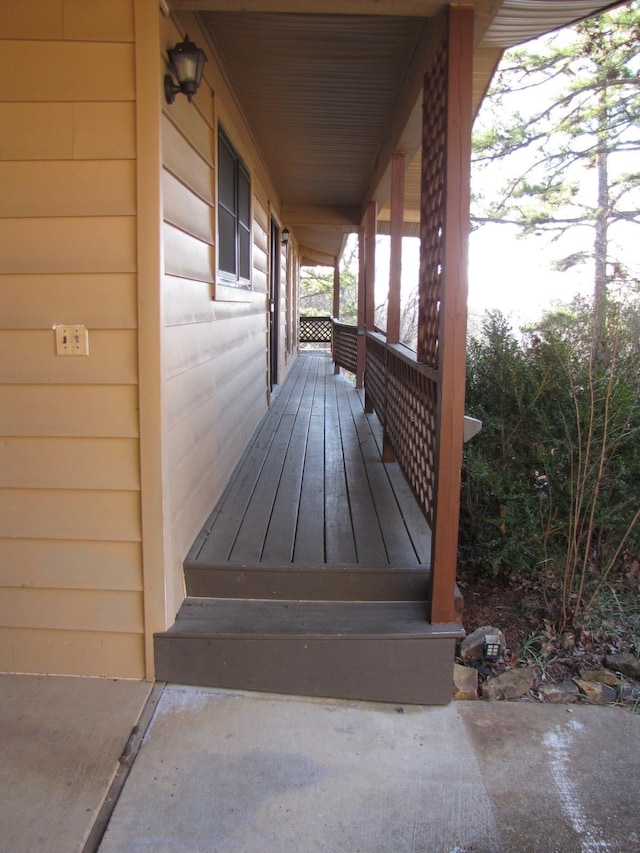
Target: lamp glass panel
186	65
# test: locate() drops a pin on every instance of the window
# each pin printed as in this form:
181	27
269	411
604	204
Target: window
234	211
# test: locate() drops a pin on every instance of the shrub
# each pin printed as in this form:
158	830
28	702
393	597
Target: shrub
553	479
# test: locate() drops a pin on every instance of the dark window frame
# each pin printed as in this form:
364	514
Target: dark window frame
234	215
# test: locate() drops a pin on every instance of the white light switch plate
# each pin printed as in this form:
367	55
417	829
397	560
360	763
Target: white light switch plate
72	340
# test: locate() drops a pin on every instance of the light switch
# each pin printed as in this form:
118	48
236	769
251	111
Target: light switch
72	340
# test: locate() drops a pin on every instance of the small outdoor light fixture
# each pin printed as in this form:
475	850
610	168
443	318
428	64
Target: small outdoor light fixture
187	62
491	647
285	236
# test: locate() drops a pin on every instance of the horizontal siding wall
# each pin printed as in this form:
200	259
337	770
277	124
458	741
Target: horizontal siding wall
70	555
214	338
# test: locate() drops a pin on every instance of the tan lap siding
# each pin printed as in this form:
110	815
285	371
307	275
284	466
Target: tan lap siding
70	557
214	339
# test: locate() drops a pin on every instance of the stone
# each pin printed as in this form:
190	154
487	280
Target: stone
604	676
630	691
595	692
625	663
512	684
471	646
465	682
560	692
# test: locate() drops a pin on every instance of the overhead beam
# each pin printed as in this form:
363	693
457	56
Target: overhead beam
317	214
411	8
313	258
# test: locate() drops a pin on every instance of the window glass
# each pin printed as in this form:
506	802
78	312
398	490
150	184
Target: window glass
226	177
234	215
226	241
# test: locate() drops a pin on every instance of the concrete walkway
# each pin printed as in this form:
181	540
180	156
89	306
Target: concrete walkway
60	744
221	771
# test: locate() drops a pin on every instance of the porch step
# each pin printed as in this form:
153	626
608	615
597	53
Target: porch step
373	650
312	582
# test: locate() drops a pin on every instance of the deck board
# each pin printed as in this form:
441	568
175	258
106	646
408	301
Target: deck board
312	489
309	544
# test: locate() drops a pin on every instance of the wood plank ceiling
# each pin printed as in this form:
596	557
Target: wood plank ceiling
325	94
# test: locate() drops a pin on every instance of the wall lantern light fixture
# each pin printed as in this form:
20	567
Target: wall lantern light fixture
285	236
187	63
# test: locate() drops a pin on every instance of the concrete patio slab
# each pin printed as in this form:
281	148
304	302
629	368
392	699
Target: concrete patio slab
223	771
60	741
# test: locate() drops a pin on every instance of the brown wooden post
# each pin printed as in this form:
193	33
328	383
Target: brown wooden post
336	289
395	254
452	317
336	298
361	310
370	266
369	279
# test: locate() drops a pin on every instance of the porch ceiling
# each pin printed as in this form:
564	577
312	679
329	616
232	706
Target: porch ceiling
331	90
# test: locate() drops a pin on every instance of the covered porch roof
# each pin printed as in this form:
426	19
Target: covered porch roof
331	89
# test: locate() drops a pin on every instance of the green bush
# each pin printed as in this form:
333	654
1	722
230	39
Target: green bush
500	527
553	480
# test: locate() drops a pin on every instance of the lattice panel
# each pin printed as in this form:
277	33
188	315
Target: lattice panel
315	330
411	426
432	207
374	378
345	346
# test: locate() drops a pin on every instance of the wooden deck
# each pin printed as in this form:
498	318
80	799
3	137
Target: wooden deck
311	576
312	489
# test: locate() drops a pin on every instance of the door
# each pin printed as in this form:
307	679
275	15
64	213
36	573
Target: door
274	303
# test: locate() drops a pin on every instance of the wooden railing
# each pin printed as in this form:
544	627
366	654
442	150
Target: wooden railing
345	345
315	330
404	395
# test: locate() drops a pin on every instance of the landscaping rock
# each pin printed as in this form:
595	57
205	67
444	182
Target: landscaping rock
625	663
630	691
595	692
471	646
465	682
561	692
604	676
512	684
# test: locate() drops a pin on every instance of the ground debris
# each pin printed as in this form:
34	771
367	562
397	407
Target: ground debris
597	654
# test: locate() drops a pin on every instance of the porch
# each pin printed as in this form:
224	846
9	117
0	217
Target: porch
312	575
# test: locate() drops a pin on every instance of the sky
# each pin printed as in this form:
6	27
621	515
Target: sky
505	273
515	275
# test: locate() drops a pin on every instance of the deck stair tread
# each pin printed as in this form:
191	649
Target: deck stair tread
242	617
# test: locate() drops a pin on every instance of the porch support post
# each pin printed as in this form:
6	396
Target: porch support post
452	314
361	294
370	266
336	298
369	278
395	254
